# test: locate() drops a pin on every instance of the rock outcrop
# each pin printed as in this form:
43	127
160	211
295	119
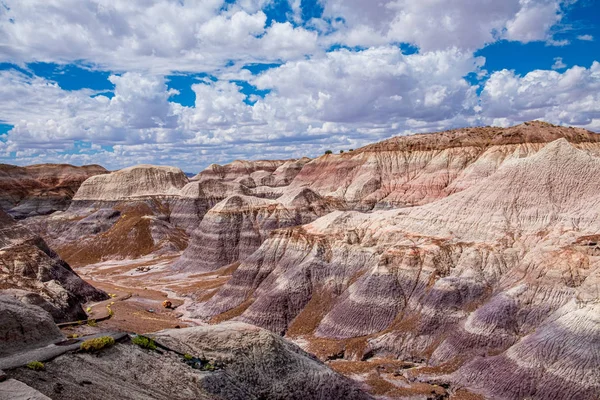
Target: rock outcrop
41	189
28	264
253	364
24	326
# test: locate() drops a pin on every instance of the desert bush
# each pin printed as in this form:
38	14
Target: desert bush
92	322
36	366
328	152
97	344
144	342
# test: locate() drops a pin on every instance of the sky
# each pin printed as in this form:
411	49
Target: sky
191	83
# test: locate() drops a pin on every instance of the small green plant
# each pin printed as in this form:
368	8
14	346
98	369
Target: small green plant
341	151
110	311
89	309
92	322
96	344
187	356
144	342
351	150
328	152
36	366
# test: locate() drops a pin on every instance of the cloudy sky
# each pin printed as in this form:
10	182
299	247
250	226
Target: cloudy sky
189	83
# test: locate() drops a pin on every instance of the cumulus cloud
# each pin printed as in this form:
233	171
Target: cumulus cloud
438	24
571	97
158	35
558	63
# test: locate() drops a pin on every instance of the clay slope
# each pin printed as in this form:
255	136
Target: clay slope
41	189
418	169
236	227
32	272
507	268
253	364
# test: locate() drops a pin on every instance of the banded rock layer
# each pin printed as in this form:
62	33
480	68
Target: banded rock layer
41	189
418	169
497	269
236	227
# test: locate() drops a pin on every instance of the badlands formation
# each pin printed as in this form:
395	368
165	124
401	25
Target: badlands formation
462	264
41	189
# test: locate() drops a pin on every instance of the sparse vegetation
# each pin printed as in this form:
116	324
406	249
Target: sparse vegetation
36	366
92	322
351	150
88	310
96	344
341	151
199	363
144	342
328	152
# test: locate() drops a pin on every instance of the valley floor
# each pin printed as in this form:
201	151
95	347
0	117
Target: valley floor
138	289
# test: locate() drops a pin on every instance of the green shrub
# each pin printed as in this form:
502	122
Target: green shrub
92	322
351	150
36	366
144	342
187	356
97	344
328	152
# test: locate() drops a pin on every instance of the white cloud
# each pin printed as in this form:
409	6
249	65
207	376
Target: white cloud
586	38
147	35
558	63
438	24
571	97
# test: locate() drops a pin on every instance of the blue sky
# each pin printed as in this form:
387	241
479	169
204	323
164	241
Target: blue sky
192	83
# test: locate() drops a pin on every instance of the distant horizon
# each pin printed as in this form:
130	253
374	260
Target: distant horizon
263	157
188	84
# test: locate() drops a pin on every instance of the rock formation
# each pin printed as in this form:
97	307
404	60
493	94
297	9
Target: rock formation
253	364
41	189
28	264
417	169
124	214
140	182
24	326
502	265
236	227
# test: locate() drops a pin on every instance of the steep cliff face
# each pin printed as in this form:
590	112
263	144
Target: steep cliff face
418	169
41	189
504	268
28	264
